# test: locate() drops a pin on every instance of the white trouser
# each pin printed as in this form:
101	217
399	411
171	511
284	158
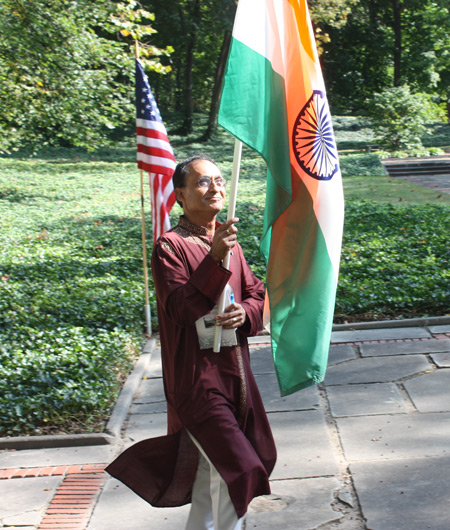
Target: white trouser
212	508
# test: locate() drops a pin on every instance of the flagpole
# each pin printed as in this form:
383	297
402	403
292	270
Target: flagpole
231	213
148	320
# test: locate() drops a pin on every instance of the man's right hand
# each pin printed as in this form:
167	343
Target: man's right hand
224	239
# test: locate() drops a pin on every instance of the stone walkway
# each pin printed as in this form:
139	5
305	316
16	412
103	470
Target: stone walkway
435	182
368	449
437	179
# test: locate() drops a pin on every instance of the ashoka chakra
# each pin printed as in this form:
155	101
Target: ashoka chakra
313	139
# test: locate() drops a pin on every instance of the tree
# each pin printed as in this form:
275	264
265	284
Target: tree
225	16
64	80
400	117
387	44
199	31
329	13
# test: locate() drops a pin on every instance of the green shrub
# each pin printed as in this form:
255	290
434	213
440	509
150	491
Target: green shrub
400	117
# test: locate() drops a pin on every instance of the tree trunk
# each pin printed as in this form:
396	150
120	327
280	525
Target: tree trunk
397	8
220	72
188	102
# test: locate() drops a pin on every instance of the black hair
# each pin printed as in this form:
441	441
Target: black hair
182	169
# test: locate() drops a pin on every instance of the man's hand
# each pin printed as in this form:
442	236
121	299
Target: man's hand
234	317
224	239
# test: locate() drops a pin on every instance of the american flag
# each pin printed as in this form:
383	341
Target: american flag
154	153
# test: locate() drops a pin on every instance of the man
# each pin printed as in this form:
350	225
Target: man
219	451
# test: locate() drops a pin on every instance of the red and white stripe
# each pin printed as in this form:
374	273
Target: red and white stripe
155	156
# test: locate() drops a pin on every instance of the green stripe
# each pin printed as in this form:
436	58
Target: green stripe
253	108
302	289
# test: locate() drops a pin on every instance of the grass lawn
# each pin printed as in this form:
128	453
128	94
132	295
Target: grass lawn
71	281
384	189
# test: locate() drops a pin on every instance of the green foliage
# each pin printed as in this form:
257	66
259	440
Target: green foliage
65	78
329	13
395	261
400	117
71	281
64	375
416	152
71	289
360	57
132	21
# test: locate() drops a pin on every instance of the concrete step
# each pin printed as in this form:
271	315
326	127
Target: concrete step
422	167
410	172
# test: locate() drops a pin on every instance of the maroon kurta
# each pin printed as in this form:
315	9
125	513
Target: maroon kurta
212	395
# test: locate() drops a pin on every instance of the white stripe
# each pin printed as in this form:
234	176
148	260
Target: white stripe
260	25
151	124
159	225
154	142
329	209
250	24
168	190
156	160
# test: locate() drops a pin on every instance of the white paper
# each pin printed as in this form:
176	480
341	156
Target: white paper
206	326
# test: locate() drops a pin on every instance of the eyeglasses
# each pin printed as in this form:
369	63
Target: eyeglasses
205	182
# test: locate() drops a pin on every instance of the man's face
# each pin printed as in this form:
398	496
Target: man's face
198	200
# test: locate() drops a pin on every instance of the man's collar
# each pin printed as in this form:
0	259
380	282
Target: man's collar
197	230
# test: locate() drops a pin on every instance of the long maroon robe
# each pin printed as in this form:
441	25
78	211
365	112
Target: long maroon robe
212	395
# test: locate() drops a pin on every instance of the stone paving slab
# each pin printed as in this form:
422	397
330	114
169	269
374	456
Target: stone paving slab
391	437
61	456
441	359
154	368
293	505
23	500
149	408
119	508
404	494
307	505
430	392
362	400
261	360
340	353
443	328
379	334
150	391
303	445
436	182
303	400
142	426
405	348
376	370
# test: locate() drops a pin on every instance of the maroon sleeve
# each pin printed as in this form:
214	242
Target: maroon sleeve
184	293
252	298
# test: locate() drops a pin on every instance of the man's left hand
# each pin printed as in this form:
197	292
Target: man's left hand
233	317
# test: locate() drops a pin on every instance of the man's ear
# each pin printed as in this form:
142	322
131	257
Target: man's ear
179	195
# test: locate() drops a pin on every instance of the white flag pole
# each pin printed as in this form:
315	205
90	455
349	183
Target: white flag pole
148	320
230	215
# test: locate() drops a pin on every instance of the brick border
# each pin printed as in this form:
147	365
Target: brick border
74	500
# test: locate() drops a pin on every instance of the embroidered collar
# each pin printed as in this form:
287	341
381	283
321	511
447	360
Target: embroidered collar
194	233
194	229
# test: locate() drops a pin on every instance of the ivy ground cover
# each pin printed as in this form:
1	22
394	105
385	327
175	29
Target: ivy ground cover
71	281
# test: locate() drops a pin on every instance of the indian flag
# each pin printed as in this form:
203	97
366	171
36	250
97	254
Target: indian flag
273	100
